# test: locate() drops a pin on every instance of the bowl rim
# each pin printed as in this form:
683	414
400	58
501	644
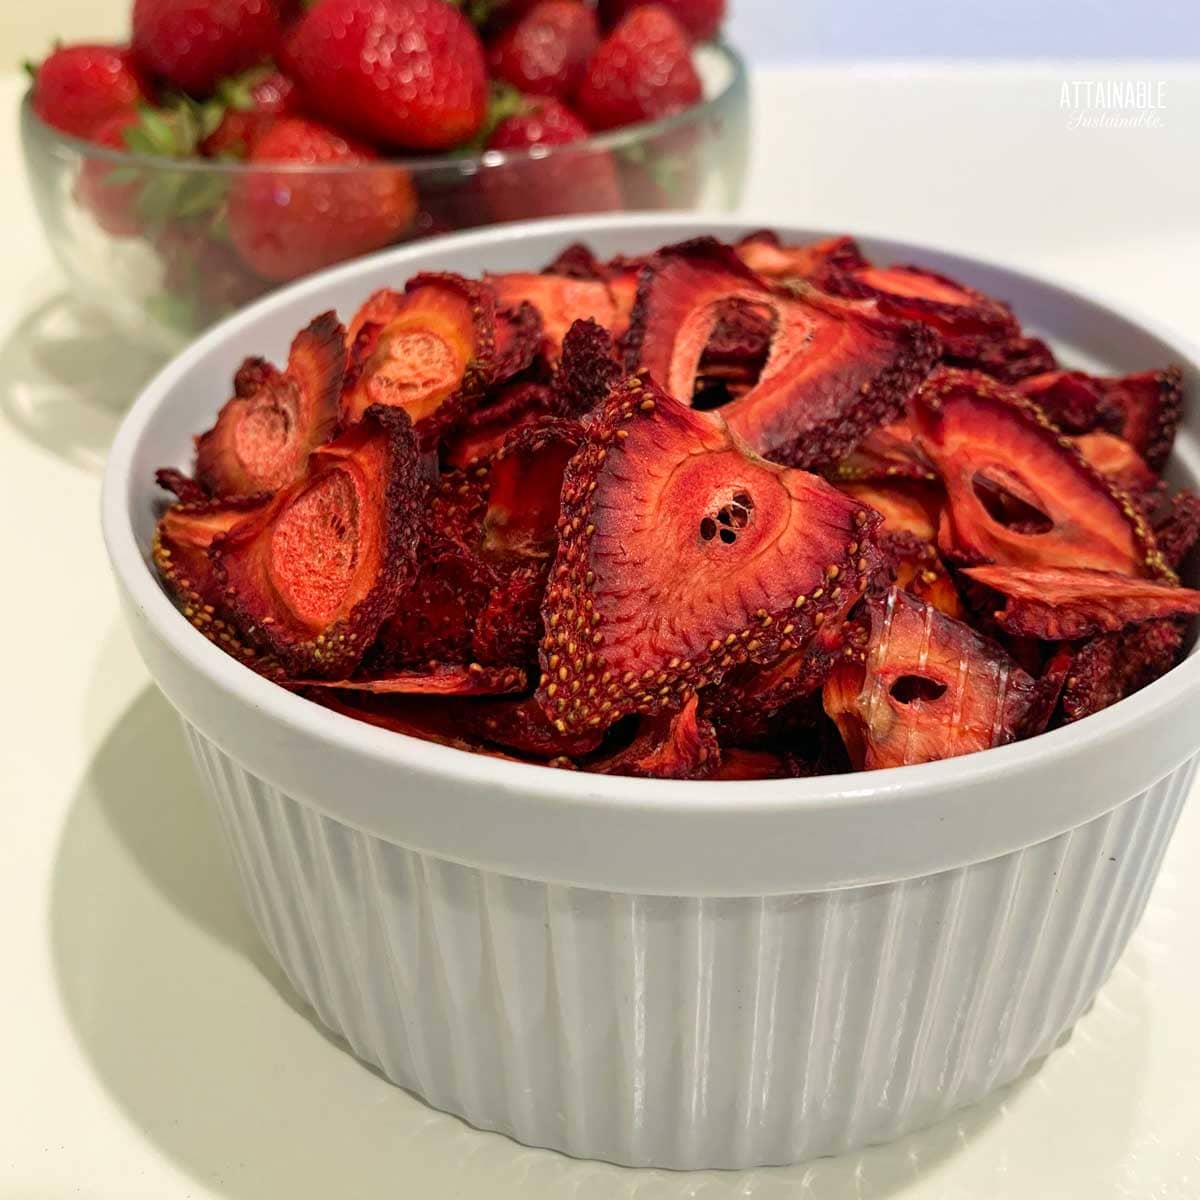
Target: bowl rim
929	791
623	138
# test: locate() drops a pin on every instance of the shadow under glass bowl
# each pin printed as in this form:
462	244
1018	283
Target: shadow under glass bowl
166	246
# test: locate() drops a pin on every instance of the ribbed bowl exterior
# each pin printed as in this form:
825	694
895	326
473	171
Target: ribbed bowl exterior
690	1032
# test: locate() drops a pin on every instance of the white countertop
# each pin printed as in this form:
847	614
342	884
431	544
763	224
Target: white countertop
148	1046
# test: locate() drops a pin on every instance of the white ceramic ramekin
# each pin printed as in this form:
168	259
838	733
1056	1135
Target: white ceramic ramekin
672	974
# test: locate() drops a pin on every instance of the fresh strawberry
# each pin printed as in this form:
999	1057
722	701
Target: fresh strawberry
701	18
194	43
546	52
527	187
80	87
405	73
114	203
287	225
252	102
641	71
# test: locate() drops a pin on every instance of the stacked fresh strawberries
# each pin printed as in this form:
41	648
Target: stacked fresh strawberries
724	512
353	82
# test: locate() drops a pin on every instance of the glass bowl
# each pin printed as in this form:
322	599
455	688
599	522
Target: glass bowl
166	246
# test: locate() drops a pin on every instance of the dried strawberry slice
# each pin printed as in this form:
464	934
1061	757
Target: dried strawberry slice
1007	359
429	351
1115	665
183	486
518	341
483	431
1119	462
588	370
1048	690
912	564
526	482
931	688
679	556
1178	529
560	301
906	507
1018	491
834	371
1150	405
889	452
1068	603
264	435
576	261
180	552
438	679
1075	402
314	574
915	294
509	625
681	745
766	255
738	763
522	726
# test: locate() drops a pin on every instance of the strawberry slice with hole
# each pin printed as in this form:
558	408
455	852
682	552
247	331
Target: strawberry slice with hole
314	574
1066	604
833	373
264	435
680	556
1018	492
930	688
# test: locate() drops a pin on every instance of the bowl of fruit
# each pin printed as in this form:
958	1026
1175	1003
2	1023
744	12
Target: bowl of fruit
234	145
698	698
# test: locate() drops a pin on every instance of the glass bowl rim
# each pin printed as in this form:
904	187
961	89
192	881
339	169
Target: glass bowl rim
625	137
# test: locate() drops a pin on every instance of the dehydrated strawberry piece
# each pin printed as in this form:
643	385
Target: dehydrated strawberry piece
1115	665
1177	529
264	435
428	351
518	340
766	255
522	726
180	552
560	301
1119	462
681	745
906	507
509	626
912	564
1068	603
576	261
834	371
526	481
182	486
680	556
889	452
588	370
1150	405
457	502
1048	690
482	432
1007	359
930	688
739	763
438	679
314	574
915	294
1073	401
1018	491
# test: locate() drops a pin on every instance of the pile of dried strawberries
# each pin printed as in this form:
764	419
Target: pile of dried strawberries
723	512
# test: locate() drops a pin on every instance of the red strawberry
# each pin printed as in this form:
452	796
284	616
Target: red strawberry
113	204
701	18
194	43
641	71
527	187
406	73
286	224
79	87
253	102
546	51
